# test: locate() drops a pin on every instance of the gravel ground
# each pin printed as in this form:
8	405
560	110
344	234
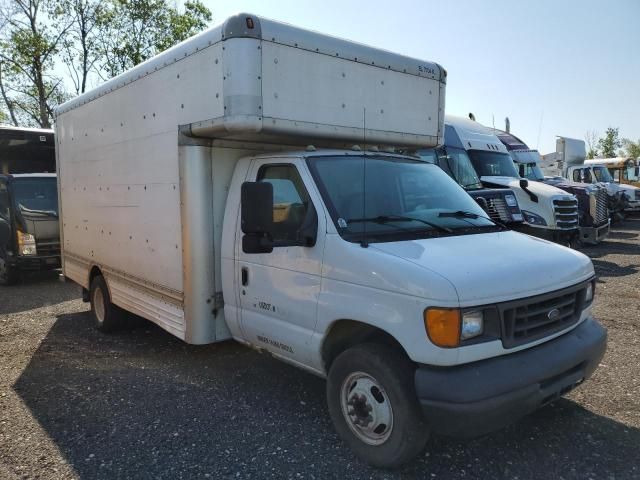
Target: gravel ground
140	404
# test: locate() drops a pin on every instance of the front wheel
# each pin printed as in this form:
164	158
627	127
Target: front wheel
8	275
373	405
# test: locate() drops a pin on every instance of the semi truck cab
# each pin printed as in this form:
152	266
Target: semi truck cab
500	203
593	212
548	212
29	216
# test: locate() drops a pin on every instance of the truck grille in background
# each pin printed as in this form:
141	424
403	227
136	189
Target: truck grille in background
47	249
497	210
537	317
601	215
566	213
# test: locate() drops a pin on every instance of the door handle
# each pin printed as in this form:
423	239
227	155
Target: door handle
245	276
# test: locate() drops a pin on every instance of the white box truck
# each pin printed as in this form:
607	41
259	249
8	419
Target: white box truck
206	191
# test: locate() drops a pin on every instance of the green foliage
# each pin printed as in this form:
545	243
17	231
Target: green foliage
92	38
610	142
133	31
632	149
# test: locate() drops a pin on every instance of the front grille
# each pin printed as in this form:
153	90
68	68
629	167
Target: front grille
497	210
566	213
531	319
47	249
601	213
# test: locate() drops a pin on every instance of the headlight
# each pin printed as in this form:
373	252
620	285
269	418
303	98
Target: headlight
533	218
511	200
588	297
447	327
472	325
26	244
637	194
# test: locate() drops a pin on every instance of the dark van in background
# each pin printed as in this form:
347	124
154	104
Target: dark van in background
29	231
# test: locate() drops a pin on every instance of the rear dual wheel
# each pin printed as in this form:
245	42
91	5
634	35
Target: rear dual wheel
107	317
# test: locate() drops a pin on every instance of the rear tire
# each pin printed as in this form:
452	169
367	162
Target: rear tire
8	275
106	316
373	405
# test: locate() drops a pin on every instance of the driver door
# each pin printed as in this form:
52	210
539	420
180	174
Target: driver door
279	290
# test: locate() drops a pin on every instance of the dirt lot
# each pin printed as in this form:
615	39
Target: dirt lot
140	404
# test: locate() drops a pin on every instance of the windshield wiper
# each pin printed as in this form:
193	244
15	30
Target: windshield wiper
382	219
463	214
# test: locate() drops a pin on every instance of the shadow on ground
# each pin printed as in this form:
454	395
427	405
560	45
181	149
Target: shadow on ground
35	290
143	404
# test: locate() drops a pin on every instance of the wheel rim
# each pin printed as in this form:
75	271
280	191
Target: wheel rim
366	408
98	304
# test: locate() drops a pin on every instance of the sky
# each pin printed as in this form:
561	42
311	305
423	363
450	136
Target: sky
554	67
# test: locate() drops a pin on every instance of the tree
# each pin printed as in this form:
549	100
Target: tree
632	149
133	31
591	139
29	45
79	51
610	142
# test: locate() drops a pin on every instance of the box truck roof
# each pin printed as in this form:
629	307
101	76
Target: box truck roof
252	79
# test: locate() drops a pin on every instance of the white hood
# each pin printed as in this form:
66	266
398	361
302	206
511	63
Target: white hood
540	189
503	266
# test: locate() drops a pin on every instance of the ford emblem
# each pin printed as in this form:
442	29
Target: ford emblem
553	314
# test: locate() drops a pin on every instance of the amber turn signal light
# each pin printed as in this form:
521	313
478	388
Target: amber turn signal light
443	326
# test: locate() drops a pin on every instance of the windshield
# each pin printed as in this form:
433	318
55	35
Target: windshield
455	162
36	195
404	198
602	174
531	171
493	164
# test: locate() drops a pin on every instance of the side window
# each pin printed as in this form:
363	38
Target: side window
4	201
576	175
291	200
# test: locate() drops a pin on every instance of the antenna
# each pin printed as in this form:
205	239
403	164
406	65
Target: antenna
493	121
364	243
539	130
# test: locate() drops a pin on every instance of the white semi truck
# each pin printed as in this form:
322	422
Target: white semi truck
548	212
208	190
569	161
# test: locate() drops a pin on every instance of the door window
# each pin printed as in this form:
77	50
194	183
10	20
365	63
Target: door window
291	200
576	175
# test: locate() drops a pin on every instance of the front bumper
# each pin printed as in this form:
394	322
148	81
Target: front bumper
473	399
563	237
36	263
593	235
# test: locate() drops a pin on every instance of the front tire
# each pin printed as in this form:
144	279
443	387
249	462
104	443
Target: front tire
106	316
8	275
373	405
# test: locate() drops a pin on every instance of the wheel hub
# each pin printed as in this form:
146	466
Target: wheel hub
366	408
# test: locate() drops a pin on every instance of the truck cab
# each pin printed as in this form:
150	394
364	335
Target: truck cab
593	171
593	212
500	203
548	212
29	218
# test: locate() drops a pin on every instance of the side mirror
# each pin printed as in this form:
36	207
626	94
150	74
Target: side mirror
256	217
5	233
524	183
